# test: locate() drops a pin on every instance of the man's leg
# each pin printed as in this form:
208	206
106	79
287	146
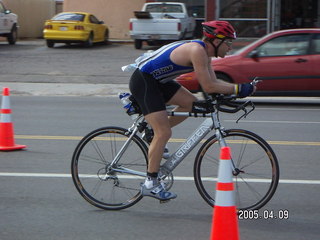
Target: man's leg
152	186
161	126
183	99
162	133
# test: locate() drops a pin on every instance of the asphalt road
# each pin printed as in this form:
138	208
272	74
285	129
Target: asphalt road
38	199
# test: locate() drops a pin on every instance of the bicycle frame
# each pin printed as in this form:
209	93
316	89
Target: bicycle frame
192	141
211	122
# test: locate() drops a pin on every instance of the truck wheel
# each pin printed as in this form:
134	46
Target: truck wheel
13	35
184	34
137	43
50	44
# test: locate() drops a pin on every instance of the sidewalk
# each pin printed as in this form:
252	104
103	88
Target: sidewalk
112	90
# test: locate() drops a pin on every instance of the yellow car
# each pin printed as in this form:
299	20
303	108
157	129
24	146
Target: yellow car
75	27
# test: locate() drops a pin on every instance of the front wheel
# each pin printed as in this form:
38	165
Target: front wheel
102	185
106	37
255	174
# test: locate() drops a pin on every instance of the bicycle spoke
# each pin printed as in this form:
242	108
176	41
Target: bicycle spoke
255	160
97	148
241	153
93	160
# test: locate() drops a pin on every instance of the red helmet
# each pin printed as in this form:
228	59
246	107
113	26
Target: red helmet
218	29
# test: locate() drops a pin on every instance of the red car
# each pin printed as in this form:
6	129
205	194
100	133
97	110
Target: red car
287	61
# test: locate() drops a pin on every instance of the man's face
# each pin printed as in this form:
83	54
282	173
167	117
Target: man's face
224	48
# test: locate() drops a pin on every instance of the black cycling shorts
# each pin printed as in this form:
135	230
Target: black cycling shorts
150	94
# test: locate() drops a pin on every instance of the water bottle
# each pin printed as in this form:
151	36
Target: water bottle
127	105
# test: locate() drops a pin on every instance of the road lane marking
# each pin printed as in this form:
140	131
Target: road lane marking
173	140
179	178
42	137
266	121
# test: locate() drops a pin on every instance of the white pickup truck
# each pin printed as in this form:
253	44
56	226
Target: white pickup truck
161	21
8	24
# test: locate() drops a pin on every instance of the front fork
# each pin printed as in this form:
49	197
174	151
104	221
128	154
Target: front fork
220	134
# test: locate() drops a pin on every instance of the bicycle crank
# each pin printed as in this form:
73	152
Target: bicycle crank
166	178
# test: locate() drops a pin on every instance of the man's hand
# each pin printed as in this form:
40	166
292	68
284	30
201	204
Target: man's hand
245	90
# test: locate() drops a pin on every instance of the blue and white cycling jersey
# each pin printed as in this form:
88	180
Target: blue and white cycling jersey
159	65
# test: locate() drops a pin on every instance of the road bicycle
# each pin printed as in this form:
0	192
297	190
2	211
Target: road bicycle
109	164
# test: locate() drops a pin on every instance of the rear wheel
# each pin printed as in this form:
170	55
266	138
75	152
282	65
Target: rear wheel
89	41
138	43
102	185
50	43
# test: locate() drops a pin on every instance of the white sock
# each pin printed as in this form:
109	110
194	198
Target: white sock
150	182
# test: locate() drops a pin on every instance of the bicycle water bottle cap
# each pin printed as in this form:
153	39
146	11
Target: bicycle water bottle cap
122	95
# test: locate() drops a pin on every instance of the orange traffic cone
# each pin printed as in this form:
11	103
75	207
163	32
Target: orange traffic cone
225	219
6	126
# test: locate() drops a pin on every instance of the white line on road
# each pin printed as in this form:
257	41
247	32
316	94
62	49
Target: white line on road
284	122
179	178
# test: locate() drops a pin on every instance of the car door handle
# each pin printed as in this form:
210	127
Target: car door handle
301	60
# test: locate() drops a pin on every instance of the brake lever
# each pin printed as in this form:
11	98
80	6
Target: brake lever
255	81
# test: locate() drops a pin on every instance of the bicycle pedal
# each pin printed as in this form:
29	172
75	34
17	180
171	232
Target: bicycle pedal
164	201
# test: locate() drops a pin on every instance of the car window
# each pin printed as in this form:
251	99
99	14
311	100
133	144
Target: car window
296	44
69	16
160	8
316	44
93	19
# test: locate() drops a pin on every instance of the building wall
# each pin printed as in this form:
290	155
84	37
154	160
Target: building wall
31	15
115	13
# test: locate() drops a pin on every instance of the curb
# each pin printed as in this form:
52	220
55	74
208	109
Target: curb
112	90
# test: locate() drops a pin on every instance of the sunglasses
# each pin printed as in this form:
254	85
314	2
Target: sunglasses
228	42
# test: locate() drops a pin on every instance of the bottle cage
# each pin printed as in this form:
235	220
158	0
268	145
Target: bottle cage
135	105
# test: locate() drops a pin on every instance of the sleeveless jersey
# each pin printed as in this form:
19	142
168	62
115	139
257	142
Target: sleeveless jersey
160	66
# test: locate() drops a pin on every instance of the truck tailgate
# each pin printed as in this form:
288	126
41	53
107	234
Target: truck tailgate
155	26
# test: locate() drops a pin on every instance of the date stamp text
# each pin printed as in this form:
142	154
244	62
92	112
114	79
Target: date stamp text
281	214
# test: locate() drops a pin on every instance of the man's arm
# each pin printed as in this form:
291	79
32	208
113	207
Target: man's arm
205	75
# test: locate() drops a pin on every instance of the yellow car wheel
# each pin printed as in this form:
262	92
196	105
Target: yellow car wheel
50	44
89	41
106	37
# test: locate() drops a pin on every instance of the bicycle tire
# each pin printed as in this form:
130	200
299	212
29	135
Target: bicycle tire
90	162
259	173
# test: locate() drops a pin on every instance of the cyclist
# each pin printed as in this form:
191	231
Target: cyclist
153	87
